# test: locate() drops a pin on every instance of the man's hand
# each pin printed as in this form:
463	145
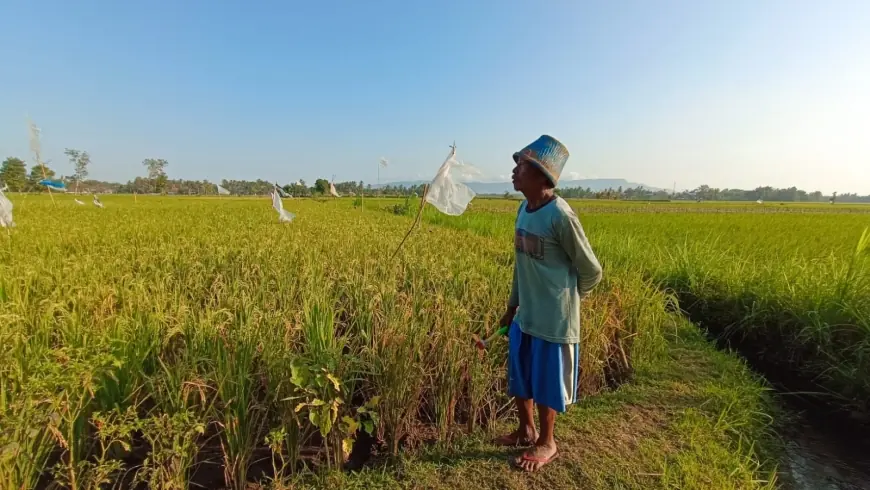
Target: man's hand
508	317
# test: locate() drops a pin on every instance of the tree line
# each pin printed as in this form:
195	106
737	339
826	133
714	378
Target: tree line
15	174
15	177
707	193
18	178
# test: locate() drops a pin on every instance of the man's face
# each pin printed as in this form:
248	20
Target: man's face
526	176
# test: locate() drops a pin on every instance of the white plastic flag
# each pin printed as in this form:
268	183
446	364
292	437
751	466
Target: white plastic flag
222	191
284	216
280	191
332	191
97	202
445	192
384	162
5	212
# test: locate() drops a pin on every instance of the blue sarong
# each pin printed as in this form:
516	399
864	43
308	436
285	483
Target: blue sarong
545	372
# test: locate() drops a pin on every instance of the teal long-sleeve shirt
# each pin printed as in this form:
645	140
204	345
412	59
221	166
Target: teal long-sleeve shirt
555	269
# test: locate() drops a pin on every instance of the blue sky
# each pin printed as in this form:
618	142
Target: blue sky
731	94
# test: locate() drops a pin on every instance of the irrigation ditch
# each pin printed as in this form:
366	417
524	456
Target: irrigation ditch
825	446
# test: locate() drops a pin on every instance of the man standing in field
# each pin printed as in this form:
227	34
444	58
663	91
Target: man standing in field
555	268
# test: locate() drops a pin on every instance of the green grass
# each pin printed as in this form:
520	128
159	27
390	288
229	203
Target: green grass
167	339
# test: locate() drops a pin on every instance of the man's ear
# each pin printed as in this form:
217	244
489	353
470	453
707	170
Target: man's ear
544	180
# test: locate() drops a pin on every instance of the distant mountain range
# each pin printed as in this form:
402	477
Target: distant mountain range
502	187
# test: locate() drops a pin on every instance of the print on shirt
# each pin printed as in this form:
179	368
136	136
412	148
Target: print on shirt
529	243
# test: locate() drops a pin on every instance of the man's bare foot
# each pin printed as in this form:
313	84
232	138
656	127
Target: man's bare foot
537	457
519	437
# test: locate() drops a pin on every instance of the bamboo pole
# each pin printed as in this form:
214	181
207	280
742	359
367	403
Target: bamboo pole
35	148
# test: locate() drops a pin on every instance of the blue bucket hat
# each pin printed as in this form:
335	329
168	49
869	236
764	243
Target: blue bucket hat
546	153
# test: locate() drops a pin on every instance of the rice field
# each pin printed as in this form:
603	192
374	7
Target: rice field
788	285
170	331
167	342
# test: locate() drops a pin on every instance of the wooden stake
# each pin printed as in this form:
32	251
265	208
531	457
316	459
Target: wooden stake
44	177
420	211
416	221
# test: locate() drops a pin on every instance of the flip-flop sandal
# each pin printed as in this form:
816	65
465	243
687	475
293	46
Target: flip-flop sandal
543	461
519	442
